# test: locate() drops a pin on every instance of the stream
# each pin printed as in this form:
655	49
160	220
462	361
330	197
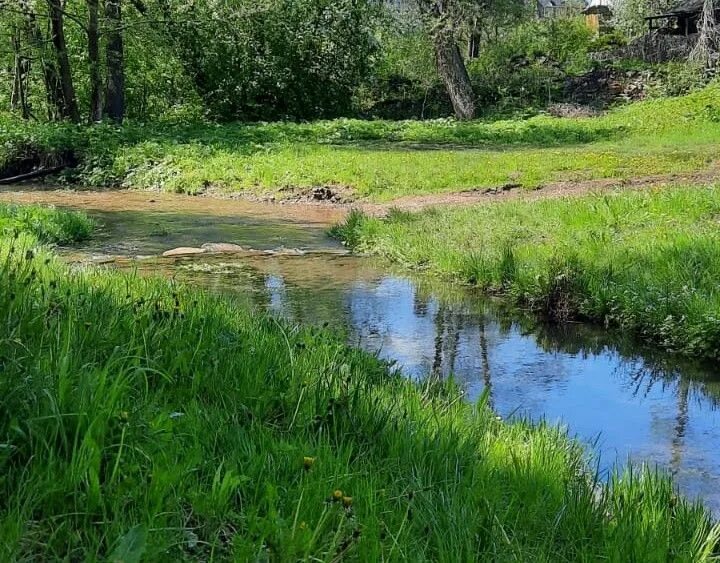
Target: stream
625	401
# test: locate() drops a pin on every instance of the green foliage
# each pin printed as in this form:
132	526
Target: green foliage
676	78
404	82
629	15
143	420
47	225
646	262
527	66
275	59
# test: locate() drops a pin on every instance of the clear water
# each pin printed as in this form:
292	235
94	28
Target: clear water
624	401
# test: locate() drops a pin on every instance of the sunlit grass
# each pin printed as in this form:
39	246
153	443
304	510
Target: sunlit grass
143	419
48	225
382	160
647	262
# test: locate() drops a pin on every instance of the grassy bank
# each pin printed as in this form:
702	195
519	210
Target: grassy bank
46	225
143	420
378	160
647	262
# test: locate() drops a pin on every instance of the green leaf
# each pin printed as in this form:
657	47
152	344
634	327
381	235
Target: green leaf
131	546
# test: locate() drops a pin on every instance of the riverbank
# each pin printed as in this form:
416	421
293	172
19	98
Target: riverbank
375	161
163	423
44	224
645	262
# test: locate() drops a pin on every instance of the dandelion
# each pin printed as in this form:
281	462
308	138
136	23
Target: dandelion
337	495
347	502
308	462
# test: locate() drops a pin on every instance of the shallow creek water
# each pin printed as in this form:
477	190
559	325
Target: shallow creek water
622	400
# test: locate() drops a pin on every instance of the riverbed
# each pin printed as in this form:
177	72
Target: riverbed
626	402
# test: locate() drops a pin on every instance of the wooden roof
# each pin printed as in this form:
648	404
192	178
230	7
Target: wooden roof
686	8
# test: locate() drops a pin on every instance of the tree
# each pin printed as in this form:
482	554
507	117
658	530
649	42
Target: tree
93	38
115	87
21	70
445	19
39	45
69	107
270	59
708	43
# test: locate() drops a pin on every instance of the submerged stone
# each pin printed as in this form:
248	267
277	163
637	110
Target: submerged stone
183	251
222	247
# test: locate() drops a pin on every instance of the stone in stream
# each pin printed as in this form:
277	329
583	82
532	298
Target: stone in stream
222	247
183	251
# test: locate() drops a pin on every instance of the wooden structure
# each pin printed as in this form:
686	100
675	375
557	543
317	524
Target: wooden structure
598	15
551	9
682	19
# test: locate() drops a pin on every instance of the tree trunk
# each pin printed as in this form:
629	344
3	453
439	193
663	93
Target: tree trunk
51	79
708	41
21	67
94	62
115	89
57	27
474	41
454	75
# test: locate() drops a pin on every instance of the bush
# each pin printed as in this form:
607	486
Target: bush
527	67
676	79
276	60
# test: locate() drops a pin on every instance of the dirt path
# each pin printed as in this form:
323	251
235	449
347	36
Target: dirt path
554	190
309	210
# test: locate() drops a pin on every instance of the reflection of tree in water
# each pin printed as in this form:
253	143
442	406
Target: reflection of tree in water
681	422
448	325
420	304
485	362
641	368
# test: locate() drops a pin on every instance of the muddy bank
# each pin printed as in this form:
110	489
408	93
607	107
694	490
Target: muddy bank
326	205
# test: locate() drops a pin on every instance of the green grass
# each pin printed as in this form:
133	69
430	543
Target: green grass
139	419
47	224
647	262
381	160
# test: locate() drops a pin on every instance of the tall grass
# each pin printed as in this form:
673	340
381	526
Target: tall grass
47	224
378	160
647	262
139	419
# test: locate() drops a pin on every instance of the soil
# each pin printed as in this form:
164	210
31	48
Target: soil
327	204
552	190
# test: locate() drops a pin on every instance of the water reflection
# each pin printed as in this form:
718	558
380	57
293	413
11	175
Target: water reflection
630	402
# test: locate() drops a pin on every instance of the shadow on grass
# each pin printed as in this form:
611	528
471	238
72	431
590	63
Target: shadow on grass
103	143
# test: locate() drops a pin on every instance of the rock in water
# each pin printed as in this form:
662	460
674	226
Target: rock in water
183	251
222	247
